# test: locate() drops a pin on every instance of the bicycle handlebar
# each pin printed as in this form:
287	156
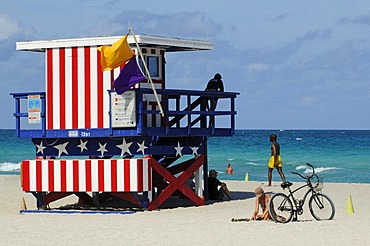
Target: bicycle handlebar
307	177
303	177
313	169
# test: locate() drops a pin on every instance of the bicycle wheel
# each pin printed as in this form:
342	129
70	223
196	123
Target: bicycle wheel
321	207
281	208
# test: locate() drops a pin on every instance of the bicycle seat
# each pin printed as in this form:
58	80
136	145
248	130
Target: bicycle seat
286	184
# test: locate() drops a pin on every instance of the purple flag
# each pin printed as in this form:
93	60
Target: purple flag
128	77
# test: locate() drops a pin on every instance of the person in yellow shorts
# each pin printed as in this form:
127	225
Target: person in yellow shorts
272	162
275	159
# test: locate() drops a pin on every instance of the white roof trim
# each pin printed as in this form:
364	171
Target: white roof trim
169	44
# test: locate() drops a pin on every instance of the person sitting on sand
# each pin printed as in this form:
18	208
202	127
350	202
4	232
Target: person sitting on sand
262	201
229	169
214	192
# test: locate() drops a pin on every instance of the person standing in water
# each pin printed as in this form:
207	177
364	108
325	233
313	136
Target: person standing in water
229	169
275	159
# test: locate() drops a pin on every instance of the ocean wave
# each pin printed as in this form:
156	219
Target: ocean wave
298	139
9	167
324	169
317	169
253	163
301	167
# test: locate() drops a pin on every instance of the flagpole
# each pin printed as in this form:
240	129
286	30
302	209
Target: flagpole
147	72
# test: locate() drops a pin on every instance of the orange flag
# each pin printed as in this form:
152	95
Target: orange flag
115	55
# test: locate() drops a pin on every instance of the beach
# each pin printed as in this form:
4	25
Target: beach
205	225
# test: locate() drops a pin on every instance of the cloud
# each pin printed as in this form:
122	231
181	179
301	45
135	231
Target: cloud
281	54
225	58
187	69
9	33
19	71
257	67
361	19
344	62
308	101
281	16
309	36
297	79
8	27
180	24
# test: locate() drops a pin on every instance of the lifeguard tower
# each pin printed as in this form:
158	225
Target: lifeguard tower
95	144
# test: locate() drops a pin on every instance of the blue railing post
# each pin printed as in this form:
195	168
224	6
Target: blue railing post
232	115
166	109
178	109
17	117
43	115
212	116
203	108
139	110
110	130
188	113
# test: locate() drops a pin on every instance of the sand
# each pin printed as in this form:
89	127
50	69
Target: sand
206	225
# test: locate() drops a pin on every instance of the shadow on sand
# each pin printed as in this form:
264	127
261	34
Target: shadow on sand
115	204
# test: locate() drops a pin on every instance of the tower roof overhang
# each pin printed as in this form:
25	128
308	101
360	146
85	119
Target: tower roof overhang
167	43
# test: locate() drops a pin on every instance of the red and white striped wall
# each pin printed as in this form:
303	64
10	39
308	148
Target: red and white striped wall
76	89
89	175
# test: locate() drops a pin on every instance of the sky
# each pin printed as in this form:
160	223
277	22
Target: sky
296	64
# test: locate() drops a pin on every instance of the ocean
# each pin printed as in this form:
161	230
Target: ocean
339	156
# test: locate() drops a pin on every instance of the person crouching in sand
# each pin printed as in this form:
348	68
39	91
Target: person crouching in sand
262	200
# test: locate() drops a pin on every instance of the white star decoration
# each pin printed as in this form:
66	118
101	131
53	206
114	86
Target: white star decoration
142	147
195	150
178	149
102	149
40	148
82	145
125	147
62	148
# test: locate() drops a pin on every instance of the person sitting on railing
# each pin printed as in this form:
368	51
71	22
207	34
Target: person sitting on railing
216	84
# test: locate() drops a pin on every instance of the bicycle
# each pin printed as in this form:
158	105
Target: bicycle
283	208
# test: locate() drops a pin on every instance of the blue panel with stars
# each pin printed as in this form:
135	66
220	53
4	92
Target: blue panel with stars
120	147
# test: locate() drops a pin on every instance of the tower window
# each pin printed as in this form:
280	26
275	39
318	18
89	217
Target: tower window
153	65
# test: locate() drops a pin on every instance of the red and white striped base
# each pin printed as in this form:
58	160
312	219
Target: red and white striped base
90	175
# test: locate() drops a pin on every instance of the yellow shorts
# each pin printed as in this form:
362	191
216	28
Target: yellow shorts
272	162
